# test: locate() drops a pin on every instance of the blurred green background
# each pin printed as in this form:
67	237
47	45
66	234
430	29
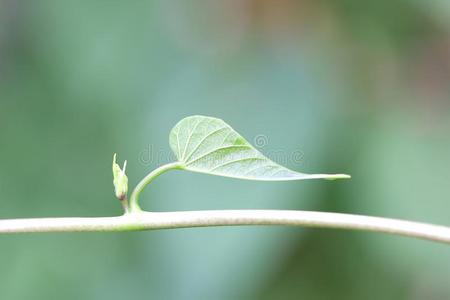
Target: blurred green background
358	87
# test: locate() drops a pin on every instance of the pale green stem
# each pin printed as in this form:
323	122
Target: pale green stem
136	219
134	199
165	220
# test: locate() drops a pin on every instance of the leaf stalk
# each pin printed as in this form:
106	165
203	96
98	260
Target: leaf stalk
134	199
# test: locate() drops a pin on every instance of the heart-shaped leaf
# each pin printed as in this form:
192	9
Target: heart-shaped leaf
209	145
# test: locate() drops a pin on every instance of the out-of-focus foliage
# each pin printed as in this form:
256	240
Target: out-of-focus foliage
360	87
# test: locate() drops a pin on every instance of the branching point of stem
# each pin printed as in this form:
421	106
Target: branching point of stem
135	219
134	199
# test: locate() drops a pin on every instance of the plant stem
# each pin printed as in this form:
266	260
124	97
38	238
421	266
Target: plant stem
135	219
134	199
140	220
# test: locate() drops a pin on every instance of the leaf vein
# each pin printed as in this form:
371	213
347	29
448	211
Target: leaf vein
229	133
235	161
202	140
259	167
276	172
178	143
190	136
217	149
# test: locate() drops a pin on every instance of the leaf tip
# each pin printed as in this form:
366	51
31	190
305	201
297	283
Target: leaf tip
338	176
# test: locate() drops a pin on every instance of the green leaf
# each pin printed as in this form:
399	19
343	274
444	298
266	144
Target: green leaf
209	145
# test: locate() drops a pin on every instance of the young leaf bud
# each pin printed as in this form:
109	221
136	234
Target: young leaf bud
120	180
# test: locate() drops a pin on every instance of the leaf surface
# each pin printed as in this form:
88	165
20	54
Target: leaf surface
209	145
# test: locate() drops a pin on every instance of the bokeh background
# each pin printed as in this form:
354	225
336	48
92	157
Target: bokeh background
358	87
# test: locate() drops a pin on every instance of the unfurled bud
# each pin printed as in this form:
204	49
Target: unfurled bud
120	180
